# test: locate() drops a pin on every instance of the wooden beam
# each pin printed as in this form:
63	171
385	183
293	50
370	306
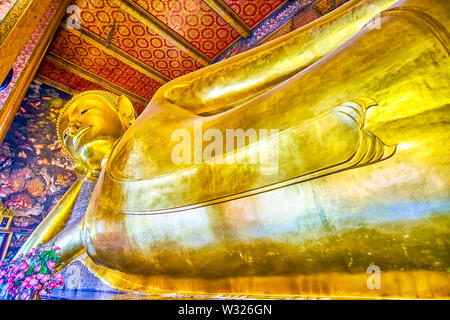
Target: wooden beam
117	53
158	27
71	67
9	109
229	16
16	30
55	84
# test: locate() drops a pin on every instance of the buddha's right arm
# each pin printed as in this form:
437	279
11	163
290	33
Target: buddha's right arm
239	78
55	221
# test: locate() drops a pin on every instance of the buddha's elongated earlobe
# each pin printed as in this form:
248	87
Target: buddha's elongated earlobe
126	110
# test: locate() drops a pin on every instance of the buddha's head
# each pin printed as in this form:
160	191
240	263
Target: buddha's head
90	124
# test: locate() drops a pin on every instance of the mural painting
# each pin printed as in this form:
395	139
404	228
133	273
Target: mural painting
34	171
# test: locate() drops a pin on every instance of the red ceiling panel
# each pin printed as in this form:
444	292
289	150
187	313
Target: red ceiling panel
195	21
253	11
134	38
113	27
78	51
69	79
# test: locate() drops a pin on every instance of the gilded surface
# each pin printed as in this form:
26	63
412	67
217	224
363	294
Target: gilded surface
362	113
89	125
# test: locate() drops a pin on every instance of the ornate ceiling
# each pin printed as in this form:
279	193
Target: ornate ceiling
133	47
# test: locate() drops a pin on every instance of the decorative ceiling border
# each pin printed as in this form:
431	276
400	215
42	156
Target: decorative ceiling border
28	63
27	53
230	17
69	66
11	19
264	28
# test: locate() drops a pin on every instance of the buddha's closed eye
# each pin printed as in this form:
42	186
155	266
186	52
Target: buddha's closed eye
86	110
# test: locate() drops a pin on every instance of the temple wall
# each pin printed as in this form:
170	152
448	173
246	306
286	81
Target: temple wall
34	171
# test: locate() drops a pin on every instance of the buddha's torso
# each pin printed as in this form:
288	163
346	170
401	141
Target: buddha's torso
345	171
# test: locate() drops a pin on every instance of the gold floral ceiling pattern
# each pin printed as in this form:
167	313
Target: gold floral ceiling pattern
133	47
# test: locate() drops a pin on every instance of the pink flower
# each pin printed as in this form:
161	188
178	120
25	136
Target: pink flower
23	265
12	273
19	276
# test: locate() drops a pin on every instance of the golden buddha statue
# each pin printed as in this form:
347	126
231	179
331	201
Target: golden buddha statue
358	103
88	127
93	122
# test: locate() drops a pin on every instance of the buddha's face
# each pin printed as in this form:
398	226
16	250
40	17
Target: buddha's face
89	129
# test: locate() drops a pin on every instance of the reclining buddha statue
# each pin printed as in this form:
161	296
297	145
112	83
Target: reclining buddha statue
314	165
